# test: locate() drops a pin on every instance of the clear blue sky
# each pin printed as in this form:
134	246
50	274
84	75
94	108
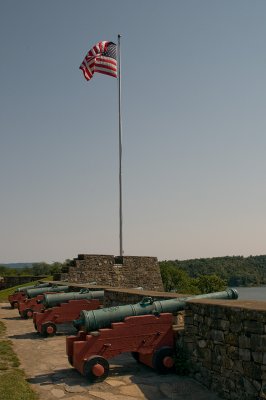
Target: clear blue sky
194	129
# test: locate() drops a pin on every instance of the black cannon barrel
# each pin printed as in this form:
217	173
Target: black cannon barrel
34	292
52	300
40	285
103	318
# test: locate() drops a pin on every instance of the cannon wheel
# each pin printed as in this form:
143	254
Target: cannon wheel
163	361
48	329
135	355
96	369
70	360
14	304
24	314
28	313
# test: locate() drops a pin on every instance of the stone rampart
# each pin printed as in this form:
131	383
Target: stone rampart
115	297
10	281
124	272
226	342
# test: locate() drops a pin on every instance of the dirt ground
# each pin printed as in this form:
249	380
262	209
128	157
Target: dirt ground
47	369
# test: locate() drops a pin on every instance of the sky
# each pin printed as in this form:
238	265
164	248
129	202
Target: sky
193	129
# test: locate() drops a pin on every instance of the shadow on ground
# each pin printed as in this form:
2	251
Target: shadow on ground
71	376
66	375
28	335
145	381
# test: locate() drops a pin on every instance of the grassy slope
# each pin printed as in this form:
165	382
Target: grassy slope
13	385
6	292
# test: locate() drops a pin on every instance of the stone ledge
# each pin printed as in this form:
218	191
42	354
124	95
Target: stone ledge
151	293
236	304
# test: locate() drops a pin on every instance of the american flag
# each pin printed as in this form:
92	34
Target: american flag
101	58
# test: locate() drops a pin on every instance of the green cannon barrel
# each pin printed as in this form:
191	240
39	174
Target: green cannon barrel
40	285
103	318
34	292
52	300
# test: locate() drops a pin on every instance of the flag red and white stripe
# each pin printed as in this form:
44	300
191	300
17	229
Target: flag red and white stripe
102	59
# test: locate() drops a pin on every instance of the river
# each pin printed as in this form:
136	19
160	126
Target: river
252	293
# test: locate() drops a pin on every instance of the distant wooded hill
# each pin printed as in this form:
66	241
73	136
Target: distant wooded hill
17	265
236	270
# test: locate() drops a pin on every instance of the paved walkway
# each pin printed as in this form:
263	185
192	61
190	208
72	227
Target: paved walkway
46	366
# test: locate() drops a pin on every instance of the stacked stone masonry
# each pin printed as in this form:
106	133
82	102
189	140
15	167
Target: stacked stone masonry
116	297
10	281
125	272
226	343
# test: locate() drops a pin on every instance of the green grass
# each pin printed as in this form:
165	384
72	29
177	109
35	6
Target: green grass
8	357
13	385
2	329
6	292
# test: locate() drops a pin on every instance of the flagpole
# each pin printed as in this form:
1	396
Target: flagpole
120	149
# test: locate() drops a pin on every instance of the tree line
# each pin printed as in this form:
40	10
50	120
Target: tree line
234	270
195	276
175	279
37	269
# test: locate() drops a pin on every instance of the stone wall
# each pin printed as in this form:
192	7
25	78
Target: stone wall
10	281
226	342
116	297
124	272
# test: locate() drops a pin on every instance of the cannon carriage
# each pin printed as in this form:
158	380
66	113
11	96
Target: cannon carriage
144	329
63	308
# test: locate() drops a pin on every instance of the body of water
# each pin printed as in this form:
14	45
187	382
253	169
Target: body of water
252	293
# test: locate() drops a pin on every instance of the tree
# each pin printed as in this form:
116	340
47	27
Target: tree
210	283
40	269
177	280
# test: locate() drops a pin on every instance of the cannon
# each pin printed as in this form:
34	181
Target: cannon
63	308
145	329
30	293
20	294
32	303
93	320
52	300
39	285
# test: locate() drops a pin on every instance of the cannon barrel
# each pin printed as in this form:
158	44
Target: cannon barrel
34	292
52	300
40	285
103	318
